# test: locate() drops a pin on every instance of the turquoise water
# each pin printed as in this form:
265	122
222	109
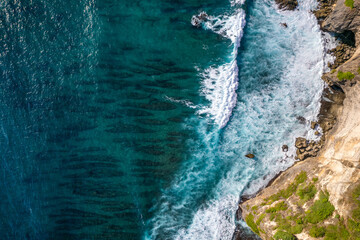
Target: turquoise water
120	120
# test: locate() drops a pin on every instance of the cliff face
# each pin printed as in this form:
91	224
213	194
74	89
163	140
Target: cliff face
319	198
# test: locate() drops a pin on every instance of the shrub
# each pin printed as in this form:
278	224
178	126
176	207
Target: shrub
278	207
250	222
333	71
358	70
336	232
284	236
307	192
317	232
300	178
290	190
345	76
349	3
260	218
320	210
296	229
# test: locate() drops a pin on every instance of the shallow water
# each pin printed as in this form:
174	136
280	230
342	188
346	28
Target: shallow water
120	120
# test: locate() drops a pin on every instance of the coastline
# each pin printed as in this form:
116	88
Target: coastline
332	173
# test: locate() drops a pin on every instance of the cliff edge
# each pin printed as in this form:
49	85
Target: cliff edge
319	198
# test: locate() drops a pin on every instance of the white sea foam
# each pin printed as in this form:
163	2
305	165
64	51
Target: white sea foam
264	120
220	82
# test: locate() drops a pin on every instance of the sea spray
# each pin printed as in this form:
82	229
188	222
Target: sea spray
279	71
220	83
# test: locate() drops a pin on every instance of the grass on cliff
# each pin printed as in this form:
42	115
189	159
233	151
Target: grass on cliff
290	190
251	223
321	209
345	76
317	232
349	3
281	206
307	192
284	236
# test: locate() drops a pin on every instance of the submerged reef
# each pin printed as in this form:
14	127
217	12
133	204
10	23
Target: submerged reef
319	197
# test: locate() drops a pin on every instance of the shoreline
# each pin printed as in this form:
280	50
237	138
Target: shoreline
337	118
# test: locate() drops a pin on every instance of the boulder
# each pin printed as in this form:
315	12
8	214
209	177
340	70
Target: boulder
250	155
285	148
301	143
287	4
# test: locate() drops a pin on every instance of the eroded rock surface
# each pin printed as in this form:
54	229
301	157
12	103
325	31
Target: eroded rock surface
291	204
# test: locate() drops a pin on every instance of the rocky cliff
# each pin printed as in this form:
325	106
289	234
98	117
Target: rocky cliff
319	197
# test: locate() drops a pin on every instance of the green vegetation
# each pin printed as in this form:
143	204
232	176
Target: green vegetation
287	224
345	76
284	236
338	232
317	232
358	71
281	206
260	218
333	71
321	209
290	190
307	192
250	222
349	3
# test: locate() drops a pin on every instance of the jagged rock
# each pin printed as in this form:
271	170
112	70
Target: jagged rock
313	125
287	4
301	119
197	20
343	18
250	155
342	53
284	25
285	148
317	133
325	8
301	142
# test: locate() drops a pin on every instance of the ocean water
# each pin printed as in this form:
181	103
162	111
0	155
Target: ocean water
120	120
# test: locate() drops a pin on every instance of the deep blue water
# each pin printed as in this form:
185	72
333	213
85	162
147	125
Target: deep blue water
120	120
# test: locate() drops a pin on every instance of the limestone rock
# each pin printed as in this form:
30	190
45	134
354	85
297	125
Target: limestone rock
343	18
301	142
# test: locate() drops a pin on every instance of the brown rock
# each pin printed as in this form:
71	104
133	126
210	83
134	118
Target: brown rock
313	125
285	148
301	142
287	4
250	155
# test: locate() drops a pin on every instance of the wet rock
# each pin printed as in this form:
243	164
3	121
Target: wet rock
325	8
313	125
197	20
250	155
317	133
342	53
301	143
285	148
284	25
287	4
301	119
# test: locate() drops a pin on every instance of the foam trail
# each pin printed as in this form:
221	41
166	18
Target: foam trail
220	83
280	80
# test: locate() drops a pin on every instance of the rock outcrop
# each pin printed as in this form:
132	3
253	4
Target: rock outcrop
319	197
287	4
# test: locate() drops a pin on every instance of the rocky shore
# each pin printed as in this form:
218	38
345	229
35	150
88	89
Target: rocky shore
319	197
